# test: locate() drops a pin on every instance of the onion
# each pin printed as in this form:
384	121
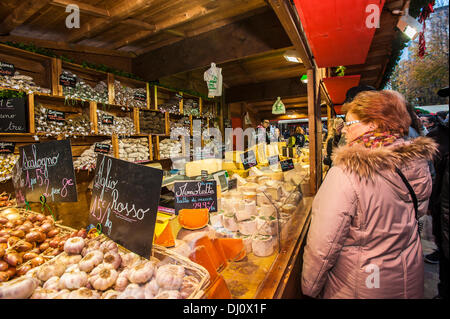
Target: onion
29	256
11	271
18	233
13	259
53	232
23	269
3	220
37	261
4	276
2	252
46	227
3	265
24	246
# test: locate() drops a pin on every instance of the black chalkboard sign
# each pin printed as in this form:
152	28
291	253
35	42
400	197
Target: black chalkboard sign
102	148
6	69
232	183
139	96
7	147
195	195
13	115
68	80
273	159
287	165
108	119
56	116
125	199
46	169
248	159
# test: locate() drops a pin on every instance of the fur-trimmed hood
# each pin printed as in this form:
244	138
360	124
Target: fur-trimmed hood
366	162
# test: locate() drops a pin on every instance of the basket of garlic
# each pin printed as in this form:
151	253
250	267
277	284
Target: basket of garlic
29	239
98	268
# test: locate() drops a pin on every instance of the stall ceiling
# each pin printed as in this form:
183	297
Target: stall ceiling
336	30
338	86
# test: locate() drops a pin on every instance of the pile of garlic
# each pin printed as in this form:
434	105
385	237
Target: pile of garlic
170	149
134	149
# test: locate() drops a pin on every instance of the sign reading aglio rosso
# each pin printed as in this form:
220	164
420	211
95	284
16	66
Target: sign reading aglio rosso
125	199
45	169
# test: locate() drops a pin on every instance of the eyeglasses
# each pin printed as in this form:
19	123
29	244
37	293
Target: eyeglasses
347	124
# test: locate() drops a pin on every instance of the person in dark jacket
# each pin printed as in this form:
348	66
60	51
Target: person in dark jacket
333	139
439	202
299	137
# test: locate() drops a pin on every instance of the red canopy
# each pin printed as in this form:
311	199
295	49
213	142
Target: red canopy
336	29
338	86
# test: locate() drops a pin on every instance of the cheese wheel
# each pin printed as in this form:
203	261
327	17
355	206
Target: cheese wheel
247	227
247	241
267	210
250	205
288	208
261	199
262	246
266	225
275	193
262	179
251	179
229	222
243	214
249	195
249	187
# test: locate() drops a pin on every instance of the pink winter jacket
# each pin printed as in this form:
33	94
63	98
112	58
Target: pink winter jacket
363	240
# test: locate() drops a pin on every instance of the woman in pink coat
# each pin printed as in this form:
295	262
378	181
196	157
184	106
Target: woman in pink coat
363	241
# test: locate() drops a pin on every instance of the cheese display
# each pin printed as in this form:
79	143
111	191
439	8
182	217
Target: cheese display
195	168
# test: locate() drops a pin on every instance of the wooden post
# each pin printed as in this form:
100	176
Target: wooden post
167	122
111	93
157	155
147	86
32	127
150	148
200	106
115	144
329	126
181	103
155	96
56	71
190	125
315	131
136	120
93	116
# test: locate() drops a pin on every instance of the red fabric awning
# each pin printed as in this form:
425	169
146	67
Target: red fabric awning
336	29
338	86
338	109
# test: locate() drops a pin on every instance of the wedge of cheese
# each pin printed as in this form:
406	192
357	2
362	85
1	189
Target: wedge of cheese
195	168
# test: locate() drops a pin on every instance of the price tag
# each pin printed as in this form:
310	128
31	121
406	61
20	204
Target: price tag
7	69
13	115
7	147
102	148
125	199
139	96
232	183
195	195
68	80
56	116
248	159
108	119
273	159
287	165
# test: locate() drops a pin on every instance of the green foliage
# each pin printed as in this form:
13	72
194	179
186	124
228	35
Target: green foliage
419	79
10	94
340	70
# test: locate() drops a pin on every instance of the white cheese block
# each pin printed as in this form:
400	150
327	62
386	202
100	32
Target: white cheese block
229	222
254	171
243	214
251	179
240	180
248	226
288	208
266	225
261	199
275	193
249	195
262	246
249	187
195	168
262	179
216	219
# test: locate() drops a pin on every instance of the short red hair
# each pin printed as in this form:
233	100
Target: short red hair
386	109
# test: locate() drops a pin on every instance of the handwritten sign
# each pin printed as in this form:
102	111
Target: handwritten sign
6	69
140	96
46	169
56	116
287	165
125	198
102	148
273	160
68	80
13	117
108	119
7	147
248	159
195	194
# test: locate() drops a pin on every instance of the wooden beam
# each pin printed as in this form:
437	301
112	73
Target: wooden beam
84	8
288	107
25	10
283	10
232	42
122	10
270	90
175	33
67	47
140	24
